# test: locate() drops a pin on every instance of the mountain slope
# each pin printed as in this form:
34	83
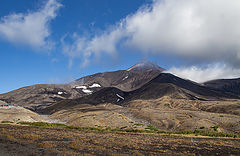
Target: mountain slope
2	103
36	97
168	84
105	95
226	85
39	95
167	102
126	80
163	85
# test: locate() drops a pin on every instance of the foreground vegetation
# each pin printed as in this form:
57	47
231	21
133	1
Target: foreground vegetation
149	129
6	122
59	139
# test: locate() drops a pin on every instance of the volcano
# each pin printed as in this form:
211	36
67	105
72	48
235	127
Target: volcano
145	66
126	80
39	96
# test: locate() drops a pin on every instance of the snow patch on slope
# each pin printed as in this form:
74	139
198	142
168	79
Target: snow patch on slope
87	91
120	96
95	85
125	77
81	87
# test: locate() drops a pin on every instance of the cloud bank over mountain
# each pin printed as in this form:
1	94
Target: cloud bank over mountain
202	30
203	74
196	31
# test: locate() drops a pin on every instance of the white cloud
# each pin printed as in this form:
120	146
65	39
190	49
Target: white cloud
32	28
188	28
211	72
204	30
74	49
87	48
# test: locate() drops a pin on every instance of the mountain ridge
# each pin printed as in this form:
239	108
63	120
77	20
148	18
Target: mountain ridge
227	85
126	98
41	95
162	85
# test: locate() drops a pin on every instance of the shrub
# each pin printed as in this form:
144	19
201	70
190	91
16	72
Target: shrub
183	132
138	124
43	124
150	127
132	130
214	128
6	122
196	131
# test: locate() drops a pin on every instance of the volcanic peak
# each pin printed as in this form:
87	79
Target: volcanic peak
145	66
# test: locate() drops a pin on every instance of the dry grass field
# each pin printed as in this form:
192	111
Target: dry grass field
165	113
33	140
17	114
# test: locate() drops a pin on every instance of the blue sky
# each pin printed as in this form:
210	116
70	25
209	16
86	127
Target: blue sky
57	41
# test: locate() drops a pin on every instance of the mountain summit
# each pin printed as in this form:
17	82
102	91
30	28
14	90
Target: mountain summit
145	66
126	80
39	96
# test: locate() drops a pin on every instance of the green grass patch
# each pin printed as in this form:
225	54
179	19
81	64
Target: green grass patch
58	125
215	128
43	124
139	124
152	128
166	104
149	129
7	122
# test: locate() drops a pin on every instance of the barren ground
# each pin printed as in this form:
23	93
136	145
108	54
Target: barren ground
27	140
165	113
17	114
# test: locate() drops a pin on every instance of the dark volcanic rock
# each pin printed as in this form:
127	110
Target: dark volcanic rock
126	80
141	81
163	84
37	97
105	95
226	85
166	83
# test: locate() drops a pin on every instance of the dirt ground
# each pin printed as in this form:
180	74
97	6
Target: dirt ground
27	140
16	114
165	113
